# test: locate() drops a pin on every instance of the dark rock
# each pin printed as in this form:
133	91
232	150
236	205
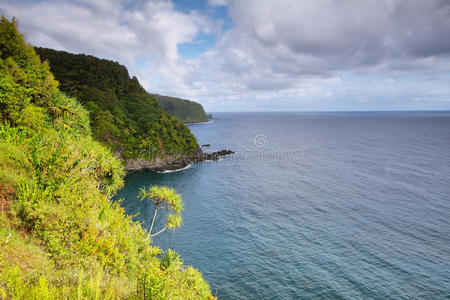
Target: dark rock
158	164
213	156
172	162
206	145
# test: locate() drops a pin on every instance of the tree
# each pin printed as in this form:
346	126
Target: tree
126	118
23	78
164	197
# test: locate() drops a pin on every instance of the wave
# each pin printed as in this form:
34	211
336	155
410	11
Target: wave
176	170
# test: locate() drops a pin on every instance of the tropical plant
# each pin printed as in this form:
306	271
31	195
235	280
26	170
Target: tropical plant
164	197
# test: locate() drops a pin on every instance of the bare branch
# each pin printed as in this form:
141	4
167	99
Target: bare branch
158	232
153	222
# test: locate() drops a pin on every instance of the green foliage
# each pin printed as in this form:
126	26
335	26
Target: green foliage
164	197
94	285
24	80
173	281
183	110
123	115
170	260
61	237
23	289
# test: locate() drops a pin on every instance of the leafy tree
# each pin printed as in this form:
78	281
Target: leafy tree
184	110
123	115
24	80
164	197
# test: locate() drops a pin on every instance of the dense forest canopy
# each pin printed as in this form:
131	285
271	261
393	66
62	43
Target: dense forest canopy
123	115
61	237
185	111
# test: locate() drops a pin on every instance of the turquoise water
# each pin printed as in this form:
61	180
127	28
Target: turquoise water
315	205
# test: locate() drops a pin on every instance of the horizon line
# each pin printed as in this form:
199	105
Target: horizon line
327	111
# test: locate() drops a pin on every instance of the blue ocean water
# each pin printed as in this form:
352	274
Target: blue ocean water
315	205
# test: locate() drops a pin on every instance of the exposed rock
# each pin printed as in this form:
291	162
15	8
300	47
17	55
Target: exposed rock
214	155
172	162
206	145
158	164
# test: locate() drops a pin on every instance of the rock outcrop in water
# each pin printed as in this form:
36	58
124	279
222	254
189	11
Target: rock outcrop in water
173	162
214	155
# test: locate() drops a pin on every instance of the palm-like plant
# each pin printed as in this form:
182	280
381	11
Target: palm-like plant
164	197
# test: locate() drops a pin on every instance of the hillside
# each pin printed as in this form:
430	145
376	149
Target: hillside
122	114
185	111
61	237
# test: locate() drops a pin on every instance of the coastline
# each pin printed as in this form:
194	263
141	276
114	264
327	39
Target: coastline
173	163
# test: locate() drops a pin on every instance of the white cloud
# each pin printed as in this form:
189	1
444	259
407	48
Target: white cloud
286	53
118	30
279	47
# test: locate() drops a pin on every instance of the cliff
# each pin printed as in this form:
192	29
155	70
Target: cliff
122	114
183	110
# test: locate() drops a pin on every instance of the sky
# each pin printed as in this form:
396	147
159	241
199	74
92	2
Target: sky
261	55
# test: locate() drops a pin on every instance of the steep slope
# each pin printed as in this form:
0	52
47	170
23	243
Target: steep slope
60	235
185	111
123	115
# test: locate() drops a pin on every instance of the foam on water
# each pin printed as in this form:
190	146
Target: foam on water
176	170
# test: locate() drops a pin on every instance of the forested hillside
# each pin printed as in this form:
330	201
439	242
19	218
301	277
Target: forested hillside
123	115
61	237
185	111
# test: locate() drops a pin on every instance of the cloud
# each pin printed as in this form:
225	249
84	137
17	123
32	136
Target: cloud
217	2
125	31
288	46
323	37
295	53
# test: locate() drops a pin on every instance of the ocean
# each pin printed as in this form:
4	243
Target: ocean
315	205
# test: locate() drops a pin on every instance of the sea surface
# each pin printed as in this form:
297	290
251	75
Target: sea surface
315	205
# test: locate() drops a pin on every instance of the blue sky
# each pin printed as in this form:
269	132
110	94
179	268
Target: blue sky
203	42
261	55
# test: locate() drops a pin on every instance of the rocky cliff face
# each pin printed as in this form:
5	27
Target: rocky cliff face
172	162
158	164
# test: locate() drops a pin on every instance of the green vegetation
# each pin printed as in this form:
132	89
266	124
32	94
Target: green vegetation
185	111
61	237
164	197
123	115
